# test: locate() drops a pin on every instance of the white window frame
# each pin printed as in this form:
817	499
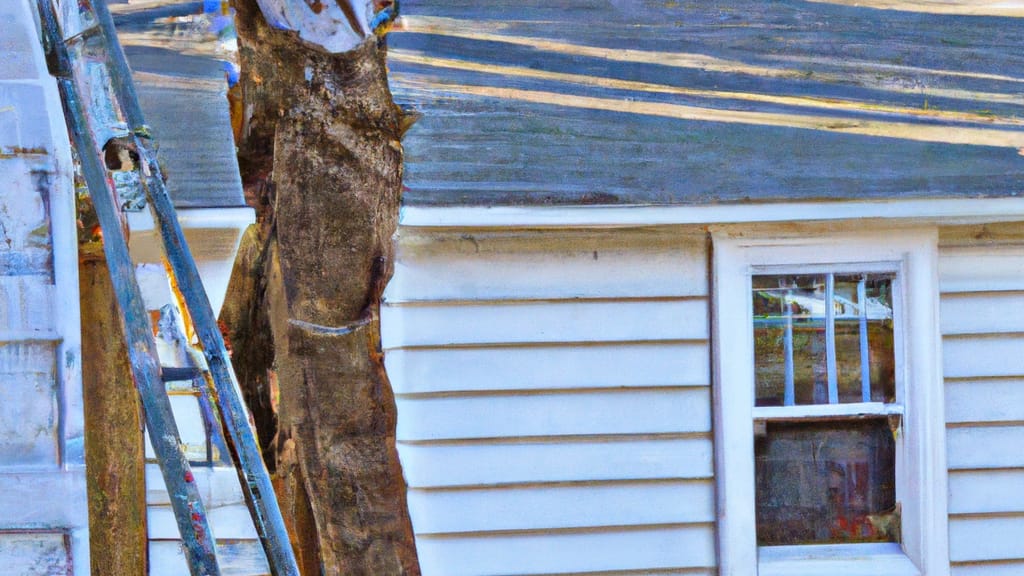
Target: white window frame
920	447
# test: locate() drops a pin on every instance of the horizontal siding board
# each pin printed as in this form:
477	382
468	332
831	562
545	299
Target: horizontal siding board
981	268
230	522
559	506
606	412
537	322
565	461
982	313
653	548
217	485
985	401
988	447
420	371
981	357
1013	568
549	265
996	538
239	558
188	417
986	491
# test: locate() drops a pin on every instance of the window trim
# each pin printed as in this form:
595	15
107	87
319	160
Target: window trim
921	458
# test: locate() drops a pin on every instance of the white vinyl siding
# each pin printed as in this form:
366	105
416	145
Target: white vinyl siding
238	548
553	400
982	307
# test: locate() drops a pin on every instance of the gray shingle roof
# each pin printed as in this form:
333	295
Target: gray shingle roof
182	89
623	102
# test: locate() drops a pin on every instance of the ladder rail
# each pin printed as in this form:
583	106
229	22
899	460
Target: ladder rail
193	522
241	439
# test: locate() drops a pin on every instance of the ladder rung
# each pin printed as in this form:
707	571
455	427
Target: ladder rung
175	374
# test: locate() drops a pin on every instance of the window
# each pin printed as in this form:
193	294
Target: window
829	424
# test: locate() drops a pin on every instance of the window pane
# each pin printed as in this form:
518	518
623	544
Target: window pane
826	482
790	348
795	305
875	320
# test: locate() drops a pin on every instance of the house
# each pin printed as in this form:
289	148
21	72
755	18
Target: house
683	288
711	287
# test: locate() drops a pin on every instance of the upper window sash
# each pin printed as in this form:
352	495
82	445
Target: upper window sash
822	306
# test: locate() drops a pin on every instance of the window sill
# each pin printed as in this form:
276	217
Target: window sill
830	560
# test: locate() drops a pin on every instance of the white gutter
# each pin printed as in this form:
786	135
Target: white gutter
946	211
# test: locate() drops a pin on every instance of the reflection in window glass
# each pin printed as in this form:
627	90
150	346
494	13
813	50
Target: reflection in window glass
793	347
826	482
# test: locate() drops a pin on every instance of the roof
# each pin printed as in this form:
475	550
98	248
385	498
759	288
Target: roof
690	102
178	61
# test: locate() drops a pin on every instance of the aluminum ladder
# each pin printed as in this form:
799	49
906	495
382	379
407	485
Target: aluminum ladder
193	524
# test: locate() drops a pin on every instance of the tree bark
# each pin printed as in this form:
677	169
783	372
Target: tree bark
322	163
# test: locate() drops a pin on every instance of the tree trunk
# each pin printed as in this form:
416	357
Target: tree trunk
322	163
114	454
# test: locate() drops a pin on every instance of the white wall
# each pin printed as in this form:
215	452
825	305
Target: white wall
553	400
43	523
238	550
982	307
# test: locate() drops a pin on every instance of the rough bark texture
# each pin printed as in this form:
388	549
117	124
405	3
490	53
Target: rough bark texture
114	452
322	163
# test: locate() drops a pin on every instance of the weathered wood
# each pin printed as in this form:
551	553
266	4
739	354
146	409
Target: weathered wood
300	521
113	431
322	162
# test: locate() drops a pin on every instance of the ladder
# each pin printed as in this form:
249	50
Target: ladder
193	524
